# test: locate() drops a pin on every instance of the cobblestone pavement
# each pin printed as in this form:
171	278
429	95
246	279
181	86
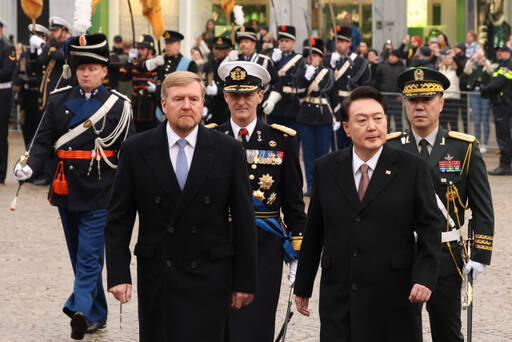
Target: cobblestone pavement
36	275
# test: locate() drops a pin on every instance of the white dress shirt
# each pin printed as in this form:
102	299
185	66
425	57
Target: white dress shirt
357	162
431	139
173	138
250	128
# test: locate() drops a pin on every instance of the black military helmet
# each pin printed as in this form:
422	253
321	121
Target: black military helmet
286	31
87	49
344	33
146	41
317	46
245	32
422	82
222	43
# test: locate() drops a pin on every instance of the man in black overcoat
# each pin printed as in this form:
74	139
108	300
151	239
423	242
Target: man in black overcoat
367	203
196	247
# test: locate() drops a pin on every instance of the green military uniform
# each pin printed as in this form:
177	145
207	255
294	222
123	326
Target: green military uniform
460	180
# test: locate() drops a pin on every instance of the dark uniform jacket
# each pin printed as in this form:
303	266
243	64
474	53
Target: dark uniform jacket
189	258
144	103
288	106
7	62
318	99
50	62
370	259
218	109
499	89
446	166
170	65
356	74
387	74
87	191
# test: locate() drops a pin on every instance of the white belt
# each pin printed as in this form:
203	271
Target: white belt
452	235
343	93
5	85
289	90
314	100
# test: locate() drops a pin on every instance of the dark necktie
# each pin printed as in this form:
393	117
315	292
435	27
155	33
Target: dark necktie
242	133
424	150
181	164
363	182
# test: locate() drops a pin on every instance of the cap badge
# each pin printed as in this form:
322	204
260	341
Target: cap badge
82	40
238	74
141	39
167	35
418	75
219	41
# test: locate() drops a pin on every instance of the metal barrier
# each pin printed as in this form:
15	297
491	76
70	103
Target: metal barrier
466	112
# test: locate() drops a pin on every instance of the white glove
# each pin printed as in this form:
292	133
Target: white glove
273	98
212	89
205	112
474	266
35	43
335	57
336	125
310	71
233	56
133	54
293	271
277	55
22	173
151	87
153	63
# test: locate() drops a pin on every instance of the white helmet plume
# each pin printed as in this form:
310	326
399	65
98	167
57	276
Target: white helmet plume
239	15
82	16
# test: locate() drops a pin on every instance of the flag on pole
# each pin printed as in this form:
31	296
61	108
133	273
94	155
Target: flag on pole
32	9
227	6
152	10
93	5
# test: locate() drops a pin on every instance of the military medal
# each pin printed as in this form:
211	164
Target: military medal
272	143
272	198
449	165
266	181
259	195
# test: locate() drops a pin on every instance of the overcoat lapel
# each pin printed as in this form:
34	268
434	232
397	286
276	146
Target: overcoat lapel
159	161
345	177
383	174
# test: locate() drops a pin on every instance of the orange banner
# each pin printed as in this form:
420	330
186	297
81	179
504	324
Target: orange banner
152	10
93	5
32	8
227	6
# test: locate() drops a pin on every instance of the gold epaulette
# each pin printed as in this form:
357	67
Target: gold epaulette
464	137
296	242
211	125
58	90
284	129
393	135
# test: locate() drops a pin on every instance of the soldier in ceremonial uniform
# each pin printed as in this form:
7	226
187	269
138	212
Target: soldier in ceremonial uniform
499	90
350	72
7	64
246	38
288	63
27	81
276	181
319	111
84	125
145	96
460	181
216	109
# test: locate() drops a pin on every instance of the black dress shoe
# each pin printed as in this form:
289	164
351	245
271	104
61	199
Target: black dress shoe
41	181
78	326
92	327
501	170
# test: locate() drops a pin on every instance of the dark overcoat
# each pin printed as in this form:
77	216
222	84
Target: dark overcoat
370	259
189	258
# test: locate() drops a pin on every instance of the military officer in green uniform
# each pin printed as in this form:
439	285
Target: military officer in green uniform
461	183
276	183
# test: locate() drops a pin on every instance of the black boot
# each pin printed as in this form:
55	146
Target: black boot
502	170
78	326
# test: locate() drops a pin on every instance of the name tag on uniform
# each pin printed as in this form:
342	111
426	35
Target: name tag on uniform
449	165
264	157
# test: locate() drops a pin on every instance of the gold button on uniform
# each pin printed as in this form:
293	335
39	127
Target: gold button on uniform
251	177
254	166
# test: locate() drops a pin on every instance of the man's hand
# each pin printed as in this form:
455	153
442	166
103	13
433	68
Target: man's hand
122	292
212	89
310	71
277	54
151	87
133	54
239	299
419	294
302	305
22	173
35	43
233	55
335	57
474	266
153	63
336	125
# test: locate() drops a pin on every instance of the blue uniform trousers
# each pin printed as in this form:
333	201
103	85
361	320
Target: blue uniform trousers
86	245
315	143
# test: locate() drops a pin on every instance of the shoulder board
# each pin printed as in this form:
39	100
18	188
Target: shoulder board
462	136
393	135
120	95
58	90
284	129
211	125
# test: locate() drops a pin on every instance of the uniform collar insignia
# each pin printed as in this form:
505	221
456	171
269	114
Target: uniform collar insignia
448	157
